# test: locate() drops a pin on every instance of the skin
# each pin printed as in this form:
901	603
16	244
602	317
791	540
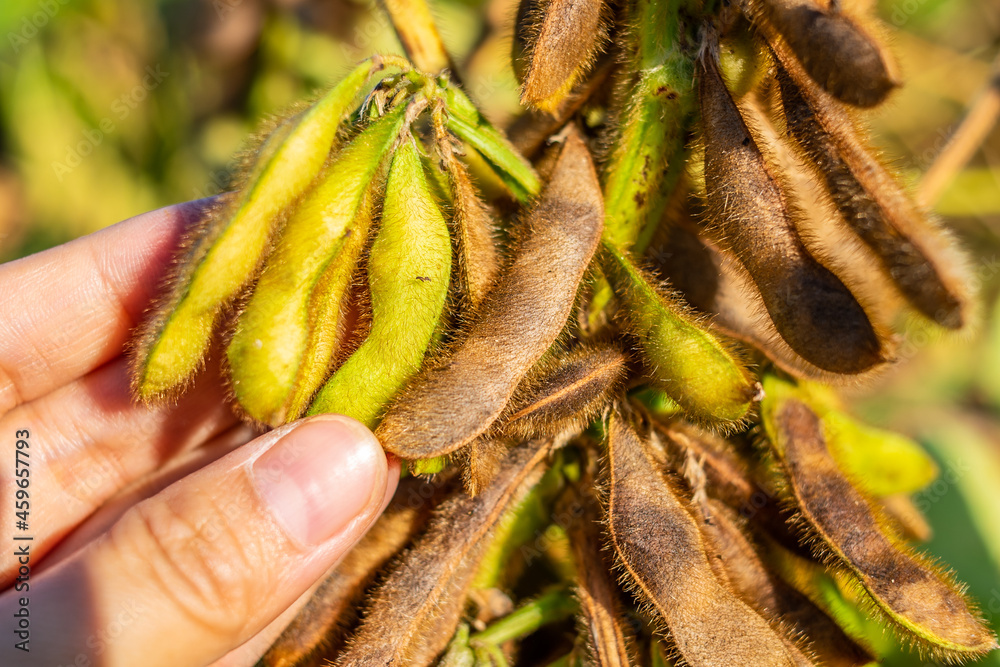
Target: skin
140	486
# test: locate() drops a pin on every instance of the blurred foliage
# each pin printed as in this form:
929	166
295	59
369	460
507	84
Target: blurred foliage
109	108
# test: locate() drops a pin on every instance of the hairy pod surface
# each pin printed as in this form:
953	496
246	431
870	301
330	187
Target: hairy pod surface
566	392
609	644
811	308
173	343
482	461
409	267
685	360
839	54
286	336
921	600
455	401
663	553
807	625
415	611
883	462
912	251
479	260
727	477
559	49
318	629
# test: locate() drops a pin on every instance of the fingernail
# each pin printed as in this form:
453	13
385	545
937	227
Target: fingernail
320	476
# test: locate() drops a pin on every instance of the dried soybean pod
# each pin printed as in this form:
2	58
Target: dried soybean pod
726	477
451	403
883	462
409	267
648	155
561	49
525	33
285	337
662	552
913	252
566	392
414	612
918	598
482	460
839	55
811	308
174	340
686	361
608	642
317	630
766	592
479	260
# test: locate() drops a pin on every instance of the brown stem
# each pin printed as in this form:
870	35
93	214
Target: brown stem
966	140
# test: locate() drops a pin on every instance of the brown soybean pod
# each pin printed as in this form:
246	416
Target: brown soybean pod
811	308
601	614
873	204
766	592
913	594
479	259
457	399
833	48
567	392
561	49
482	459
727	478
317	630
663	553
414	612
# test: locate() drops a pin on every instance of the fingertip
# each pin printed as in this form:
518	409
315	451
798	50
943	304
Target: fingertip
325	475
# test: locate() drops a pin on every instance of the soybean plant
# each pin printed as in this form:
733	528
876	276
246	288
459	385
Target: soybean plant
651	444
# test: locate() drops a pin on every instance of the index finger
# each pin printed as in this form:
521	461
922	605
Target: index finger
68	310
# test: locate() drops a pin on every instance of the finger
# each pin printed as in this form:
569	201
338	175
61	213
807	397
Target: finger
88	441
215	557
67	310
178	468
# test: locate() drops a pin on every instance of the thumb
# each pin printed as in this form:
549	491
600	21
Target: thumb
189	574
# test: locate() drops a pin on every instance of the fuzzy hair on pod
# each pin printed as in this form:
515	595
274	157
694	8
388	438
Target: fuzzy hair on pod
912	251
457	399
907	590
835	49
415	611
749	214
663	557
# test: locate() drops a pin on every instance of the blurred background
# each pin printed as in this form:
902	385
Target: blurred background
109	108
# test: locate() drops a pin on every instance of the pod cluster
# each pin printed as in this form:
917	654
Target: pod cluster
610	376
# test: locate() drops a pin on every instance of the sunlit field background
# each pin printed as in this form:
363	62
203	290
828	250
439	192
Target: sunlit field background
109	108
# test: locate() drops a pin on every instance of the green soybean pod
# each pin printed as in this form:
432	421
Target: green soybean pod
173	342
286	336
686	361
472	127
408	273
883	462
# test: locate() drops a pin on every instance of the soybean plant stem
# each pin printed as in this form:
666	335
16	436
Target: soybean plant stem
968	137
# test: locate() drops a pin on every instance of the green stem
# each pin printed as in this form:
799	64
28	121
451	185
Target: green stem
551	607
648	157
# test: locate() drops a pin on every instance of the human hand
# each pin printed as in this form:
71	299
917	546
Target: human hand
164	534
